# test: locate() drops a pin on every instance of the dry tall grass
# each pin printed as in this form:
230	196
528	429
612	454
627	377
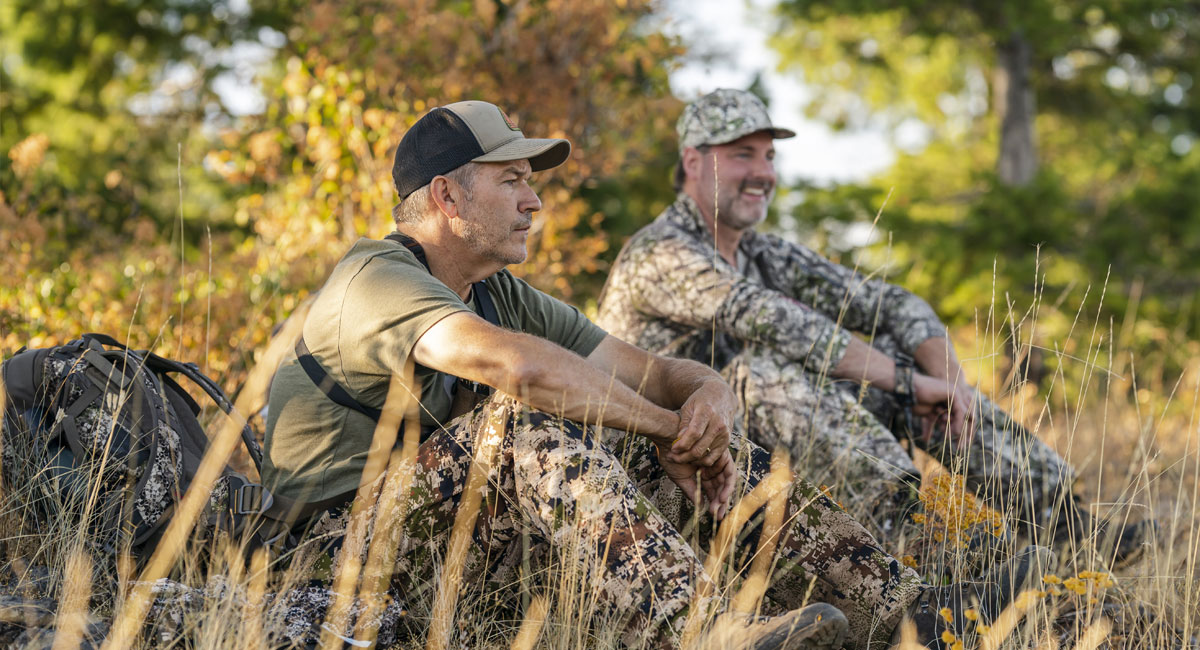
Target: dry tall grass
1136	452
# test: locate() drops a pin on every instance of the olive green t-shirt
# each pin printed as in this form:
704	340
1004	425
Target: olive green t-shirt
362	327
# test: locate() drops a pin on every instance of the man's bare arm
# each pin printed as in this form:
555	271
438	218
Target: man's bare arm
704	400
543	375
552	379
865	363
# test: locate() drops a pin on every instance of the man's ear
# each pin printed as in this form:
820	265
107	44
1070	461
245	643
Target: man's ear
692	160
443	196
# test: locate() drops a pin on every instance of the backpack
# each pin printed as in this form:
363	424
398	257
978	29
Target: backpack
106	437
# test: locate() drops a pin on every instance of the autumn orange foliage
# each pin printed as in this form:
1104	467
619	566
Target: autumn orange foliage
313	173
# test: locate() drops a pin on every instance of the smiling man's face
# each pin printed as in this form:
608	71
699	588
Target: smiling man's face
741	183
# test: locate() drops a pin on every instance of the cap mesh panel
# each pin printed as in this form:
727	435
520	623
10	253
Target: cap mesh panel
438	143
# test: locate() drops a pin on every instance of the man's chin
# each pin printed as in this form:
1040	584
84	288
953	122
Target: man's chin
745	219
513	257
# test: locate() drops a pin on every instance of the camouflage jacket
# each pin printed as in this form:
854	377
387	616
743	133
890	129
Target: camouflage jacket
670	292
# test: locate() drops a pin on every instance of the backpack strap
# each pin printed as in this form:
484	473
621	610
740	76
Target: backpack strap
412	245
487	308
336	392
164	367
328	385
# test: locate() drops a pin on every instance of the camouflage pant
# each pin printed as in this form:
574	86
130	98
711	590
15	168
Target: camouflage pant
842	434
599	501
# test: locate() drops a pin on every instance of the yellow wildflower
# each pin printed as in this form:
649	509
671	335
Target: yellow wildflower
947	614
948	636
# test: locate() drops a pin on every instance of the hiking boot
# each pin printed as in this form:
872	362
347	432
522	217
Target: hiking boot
1129	540
939	610
1119	543
816	627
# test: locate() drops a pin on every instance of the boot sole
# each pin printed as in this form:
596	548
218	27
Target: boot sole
816	627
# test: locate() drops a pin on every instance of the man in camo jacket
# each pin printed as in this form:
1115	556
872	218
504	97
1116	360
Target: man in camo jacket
778	320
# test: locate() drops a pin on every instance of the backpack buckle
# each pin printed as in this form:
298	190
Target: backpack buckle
249	498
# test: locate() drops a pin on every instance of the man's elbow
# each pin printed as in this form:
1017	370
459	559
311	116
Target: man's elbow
519	370
520	375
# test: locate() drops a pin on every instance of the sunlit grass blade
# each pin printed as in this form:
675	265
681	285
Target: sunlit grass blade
755	585
389	517
362	511
73	609
531	626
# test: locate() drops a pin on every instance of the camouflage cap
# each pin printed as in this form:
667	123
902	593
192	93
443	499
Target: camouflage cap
724	115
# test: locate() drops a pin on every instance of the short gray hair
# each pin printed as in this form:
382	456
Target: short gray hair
415	206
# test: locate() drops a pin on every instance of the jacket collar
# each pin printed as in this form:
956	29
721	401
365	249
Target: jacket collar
685	214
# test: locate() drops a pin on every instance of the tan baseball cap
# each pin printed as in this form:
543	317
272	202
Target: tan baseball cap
448	137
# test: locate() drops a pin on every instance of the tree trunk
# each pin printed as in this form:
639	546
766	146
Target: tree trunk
1016	107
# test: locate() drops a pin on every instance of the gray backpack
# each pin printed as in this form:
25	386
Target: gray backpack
106	437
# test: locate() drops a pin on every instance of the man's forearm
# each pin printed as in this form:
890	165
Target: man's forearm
559	382
865	363
936	357
675	380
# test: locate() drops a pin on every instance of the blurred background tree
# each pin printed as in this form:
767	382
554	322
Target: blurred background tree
133	201
1042	144
359	73
121	91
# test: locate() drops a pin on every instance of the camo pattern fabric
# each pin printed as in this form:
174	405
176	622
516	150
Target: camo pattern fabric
724	115
289	618
774	326
671	293
597	499
843	433
103	423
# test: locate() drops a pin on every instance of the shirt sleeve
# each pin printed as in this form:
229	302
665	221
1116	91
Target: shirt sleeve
542	315
848	298
677	280
388	305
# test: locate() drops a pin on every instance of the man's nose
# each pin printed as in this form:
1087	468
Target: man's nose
764	168
529	201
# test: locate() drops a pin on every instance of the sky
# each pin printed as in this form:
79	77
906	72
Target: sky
739	29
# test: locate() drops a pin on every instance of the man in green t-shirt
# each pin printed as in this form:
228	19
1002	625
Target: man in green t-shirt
435	298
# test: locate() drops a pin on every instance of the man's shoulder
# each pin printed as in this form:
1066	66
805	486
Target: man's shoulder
366	251
369	270
671	228
754	241
372	266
